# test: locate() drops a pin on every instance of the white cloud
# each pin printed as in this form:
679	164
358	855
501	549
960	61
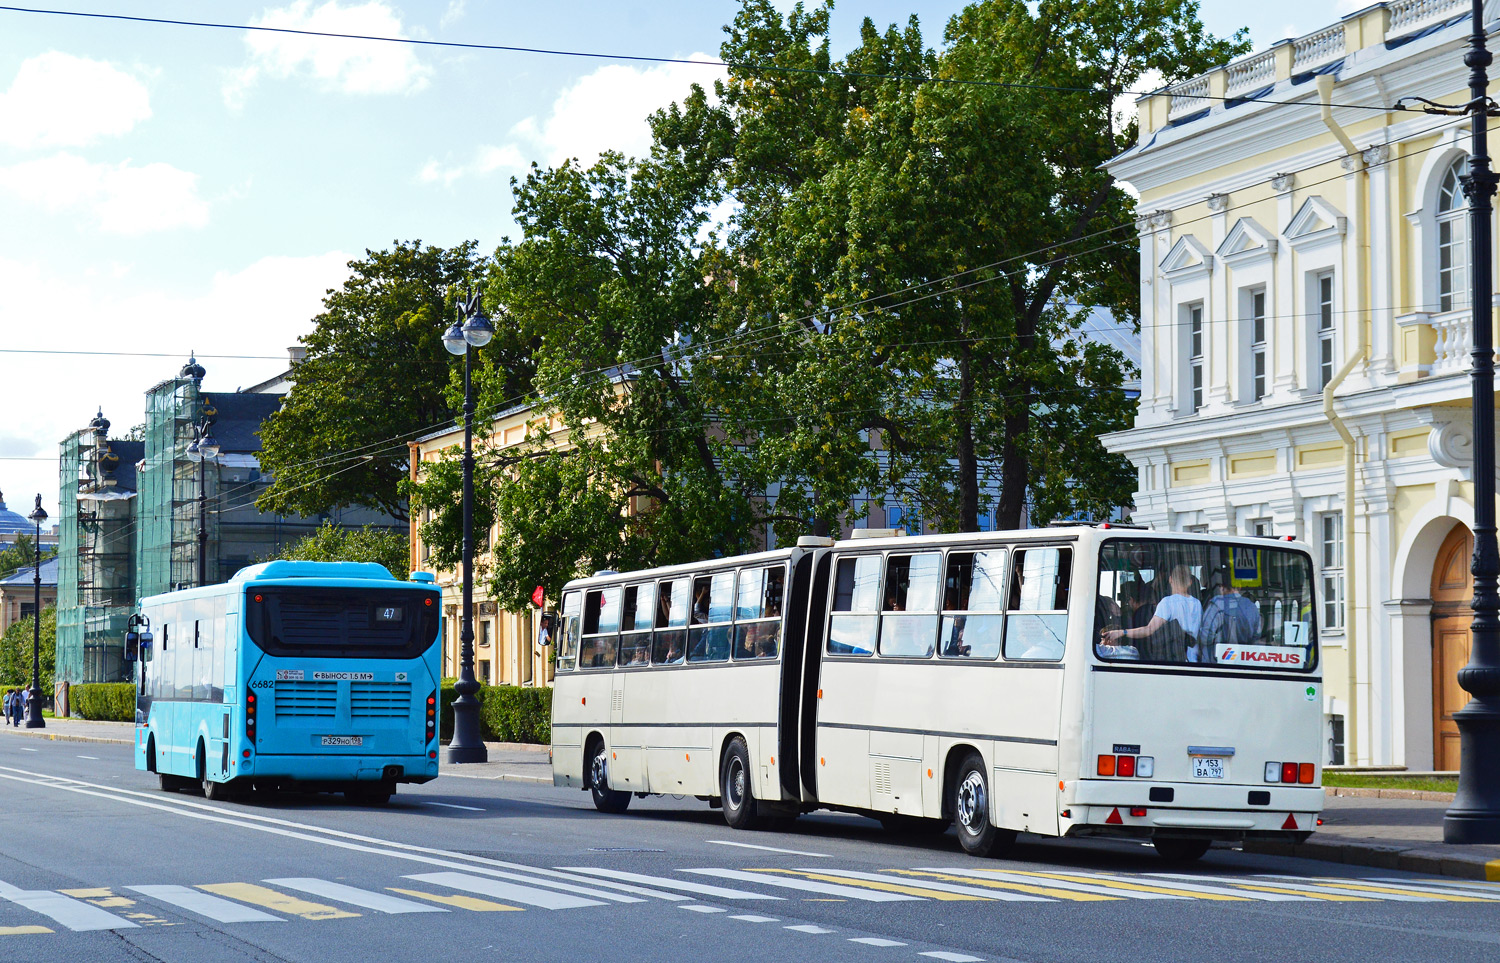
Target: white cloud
58	100
348	66
455	12
121	198
605	110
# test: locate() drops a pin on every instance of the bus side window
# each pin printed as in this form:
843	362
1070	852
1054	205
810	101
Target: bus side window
601	623
182	672
757	613
671	622
856	599
635	625
909	614
972	605
1036	625
567	639
161	671
713	610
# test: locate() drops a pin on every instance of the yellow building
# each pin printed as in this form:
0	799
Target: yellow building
1305	340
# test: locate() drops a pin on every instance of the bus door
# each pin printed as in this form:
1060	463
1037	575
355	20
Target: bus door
793	642
812	663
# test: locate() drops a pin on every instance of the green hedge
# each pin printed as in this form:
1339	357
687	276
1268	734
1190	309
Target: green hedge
507	713
114	701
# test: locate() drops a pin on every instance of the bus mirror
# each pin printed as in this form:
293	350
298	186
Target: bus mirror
132	642
146	639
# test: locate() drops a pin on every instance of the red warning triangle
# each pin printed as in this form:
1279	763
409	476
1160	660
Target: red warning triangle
1114	818
1291	822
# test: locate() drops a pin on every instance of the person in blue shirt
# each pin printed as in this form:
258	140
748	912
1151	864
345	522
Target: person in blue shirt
1228	619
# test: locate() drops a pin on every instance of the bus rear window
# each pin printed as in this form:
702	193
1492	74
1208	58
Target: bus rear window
1205	603
322	621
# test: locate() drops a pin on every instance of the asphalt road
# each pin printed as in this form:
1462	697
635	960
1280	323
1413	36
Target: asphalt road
97	864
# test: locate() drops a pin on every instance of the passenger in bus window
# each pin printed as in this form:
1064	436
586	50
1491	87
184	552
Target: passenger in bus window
1174	624
1228	619
700	600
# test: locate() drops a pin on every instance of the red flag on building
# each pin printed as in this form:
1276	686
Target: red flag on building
538	597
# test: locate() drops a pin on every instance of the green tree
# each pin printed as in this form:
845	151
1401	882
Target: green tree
21	555
15	651
375	375
334	543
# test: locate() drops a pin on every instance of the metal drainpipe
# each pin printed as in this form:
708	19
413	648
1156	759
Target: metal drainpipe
1356	356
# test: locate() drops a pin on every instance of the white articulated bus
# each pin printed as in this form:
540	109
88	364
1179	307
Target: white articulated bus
1081	681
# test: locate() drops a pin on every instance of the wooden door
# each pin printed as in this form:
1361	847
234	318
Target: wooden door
1452	591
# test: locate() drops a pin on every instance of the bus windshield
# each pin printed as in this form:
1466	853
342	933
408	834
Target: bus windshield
1199	602
395	623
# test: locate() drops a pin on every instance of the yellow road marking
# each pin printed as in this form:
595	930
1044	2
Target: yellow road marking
1138	887
462	902
1334	897
1018	887
96	892
22	930
271	899
877	885
1492	871
1367	888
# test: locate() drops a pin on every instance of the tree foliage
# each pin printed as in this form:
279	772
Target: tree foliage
375	375
333	543
915	238
21	555
16	650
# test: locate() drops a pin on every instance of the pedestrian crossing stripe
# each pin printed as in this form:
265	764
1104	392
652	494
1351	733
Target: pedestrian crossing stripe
23	930
1422	894
273	900
379	902
1138	887
809	886
874	883
1076	892
473	903
1330	897
202	904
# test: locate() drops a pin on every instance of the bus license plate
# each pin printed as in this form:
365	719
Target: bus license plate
1209	767
343	740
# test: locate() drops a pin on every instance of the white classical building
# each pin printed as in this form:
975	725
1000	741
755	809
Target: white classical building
1305	339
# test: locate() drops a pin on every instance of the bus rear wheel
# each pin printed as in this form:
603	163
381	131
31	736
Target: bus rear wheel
971	811
741	811
1177	849
221	791
606	800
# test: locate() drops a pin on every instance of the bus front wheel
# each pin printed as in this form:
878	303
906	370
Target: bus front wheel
606	800
738	800
1176	849
971	811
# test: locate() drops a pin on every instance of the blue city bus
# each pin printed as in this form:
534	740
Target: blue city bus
314	676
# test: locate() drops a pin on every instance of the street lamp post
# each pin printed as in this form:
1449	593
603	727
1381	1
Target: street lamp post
460	339
203	450
1475	814
34	718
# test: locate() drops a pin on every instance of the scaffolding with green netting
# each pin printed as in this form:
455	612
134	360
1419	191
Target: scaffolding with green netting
167	543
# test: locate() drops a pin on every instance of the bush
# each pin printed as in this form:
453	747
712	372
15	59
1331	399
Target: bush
112	701
507	713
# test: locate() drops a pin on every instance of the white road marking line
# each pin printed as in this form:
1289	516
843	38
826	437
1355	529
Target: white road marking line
356	897
807	885
1170	881
703	909
472	809
921	883
768	849
1466	888
623	887
752	918
1289	882
702	889
875	941
74	914
808	928
952	957
510	892
26	749
1000	876
217	909
95	758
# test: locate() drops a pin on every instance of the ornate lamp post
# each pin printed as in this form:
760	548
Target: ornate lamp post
34	718
203	450
1475	814
467	745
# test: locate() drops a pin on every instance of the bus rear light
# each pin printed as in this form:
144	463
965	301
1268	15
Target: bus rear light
1137	810
1145	766
431	716
432	754
1305	773
1273	772
246	753
1106	765
1289	772
1066	814
1125	766
249	719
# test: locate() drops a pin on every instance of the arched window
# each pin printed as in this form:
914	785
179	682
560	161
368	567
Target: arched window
1452	239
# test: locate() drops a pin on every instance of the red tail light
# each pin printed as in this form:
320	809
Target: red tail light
1125	766
1137	810
1289	772
432	719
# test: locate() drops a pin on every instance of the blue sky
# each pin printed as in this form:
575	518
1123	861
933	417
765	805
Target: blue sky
164	188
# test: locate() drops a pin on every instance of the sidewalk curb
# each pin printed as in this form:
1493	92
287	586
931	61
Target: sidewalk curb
1405	858
1426	795
68	737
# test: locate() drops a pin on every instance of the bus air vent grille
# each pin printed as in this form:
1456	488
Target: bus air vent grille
380	700
883	778
306	700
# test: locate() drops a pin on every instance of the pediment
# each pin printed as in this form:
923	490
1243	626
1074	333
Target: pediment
1187	258
1247	241
1315	221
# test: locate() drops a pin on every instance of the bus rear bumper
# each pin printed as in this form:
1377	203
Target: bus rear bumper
338	769
1119	808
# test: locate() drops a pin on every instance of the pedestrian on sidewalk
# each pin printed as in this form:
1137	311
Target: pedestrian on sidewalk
9	694
25	709
15	707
